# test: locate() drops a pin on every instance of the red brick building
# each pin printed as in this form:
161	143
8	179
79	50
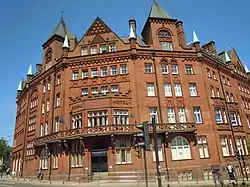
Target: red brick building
77	113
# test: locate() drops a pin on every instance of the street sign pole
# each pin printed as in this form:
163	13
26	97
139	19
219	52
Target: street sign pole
145	166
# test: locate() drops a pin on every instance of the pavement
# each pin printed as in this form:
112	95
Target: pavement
9	182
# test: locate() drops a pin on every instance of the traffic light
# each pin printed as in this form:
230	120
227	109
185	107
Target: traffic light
238	155
143	139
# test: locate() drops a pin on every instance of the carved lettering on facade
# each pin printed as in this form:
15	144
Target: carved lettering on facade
120	102
76	107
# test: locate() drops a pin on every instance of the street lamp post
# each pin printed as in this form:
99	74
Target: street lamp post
156	153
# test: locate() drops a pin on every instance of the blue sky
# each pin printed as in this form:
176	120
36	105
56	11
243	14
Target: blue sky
26	25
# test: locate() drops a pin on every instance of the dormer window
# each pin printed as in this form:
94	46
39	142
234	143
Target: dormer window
112	48
93	50
103	49
84	51
165	40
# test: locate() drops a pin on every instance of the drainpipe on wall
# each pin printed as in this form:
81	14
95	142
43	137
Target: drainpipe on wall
229	119
52	122
25	131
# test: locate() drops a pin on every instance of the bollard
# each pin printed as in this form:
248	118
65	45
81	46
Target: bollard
138	179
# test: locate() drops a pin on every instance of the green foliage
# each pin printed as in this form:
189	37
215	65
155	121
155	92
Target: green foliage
4	147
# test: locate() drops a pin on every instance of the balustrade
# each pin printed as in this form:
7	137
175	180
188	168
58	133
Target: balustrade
112	129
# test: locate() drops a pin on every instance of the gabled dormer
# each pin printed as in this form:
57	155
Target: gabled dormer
163	32
99	38
53	47
236	63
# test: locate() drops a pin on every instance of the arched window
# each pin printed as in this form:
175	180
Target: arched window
48	59
164	67
48	55
180	148
44	159
165	40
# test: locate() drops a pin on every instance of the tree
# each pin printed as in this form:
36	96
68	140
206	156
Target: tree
4	148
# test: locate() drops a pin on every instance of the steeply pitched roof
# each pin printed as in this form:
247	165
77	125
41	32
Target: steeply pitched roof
157	11
61	30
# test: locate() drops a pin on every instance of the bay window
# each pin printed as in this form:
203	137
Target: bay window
97	118
121	117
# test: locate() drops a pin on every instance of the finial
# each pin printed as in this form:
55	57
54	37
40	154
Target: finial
195	38
227	58
30	70
246	69
66	42
62	12
19	86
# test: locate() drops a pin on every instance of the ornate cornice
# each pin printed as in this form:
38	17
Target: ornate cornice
215	62
162	21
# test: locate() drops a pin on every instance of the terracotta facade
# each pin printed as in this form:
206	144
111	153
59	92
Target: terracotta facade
78	112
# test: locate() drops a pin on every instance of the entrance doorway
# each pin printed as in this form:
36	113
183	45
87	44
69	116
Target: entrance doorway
99	157
99	160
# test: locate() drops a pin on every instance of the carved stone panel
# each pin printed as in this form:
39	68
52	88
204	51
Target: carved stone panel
99	80
218	101
98	39
170	102
180	101
120	102
232	106
77	107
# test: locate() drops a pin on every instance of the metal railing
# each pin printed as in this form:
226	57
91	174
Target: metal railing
177	177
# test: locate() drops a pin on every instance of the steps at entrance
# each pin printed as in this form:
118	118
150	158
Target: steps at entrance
100	175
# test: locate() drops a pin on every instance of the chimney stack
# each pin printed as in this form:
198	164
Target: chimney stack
132	33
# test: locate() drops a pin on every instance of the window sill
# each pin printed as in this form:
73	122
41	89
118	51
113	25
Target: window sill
198	123
55	168
228	156
205	158
194	96
151	96
129	163
182	160
149	73
159	161
76	166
